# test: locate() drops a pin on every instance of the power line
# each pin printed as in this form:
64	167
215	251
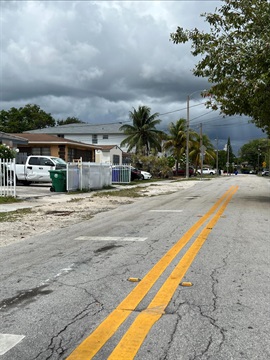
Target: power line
185	108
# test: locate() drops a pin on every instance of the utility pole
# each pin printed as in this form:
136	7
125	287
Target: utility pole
201	147
187	134
217	159
228	159
187	140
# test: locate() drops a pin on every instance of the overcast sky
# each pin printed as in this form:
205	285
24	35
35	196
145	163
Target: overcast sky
97	60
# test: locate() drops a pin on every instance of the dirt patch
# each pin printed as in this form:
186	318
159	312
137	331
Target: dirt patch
51	215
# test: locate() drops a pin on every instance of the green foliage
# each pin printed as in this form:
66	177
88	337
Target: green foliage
170	161
195	151
176	140
235	58
176	144
70	120
255	152
6	152
230	156
158	167
26	118
222	159
142	135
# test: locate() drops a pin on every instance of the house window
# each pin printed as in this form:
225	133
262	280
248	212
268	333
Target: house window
94	139
116	159
105	137
62	151
41	151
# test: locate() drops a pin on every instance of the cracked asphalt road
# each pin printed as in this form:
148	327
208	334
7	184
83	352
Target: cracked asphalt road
55	290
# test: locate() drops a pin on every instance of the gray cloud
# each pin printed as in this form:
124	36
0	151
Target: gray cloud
96	60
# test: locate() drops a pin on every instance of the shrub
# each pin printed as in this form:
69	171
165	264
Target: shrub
6	152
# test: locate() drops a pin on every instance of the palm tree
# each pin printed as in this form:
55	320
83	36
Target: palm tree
177	139
195	151
142	134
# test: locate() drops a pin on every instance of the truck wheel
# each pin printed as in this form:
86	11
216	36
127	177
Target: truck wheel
26	182
52	189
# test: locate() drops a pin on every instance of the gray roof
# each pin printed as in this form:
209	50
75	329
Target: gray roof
15	138
80	129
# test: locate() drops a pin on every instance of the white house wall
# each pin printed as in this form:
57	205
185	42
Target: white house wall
116	151
113	139
107	156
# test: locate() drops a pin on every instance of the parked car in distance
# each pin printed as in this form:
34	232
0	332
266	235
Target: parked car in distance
265	173
182	172
145	175
207	171
135	174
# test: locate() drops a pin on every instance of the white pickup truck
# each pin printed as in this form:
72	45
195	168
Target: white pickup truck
207	171
36	168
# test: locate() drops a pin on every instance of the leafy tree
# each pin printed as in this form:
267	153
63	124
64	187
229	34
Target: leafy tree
195	151
230	157
235	58
157	166
142	135
29	117
70	120
222	159
255	152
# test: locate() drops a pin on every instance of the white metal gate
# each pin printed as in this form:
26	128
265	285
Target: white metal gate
7	177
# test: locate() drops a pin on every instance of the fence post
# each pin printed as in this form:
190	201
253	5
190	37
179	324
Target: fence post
7	177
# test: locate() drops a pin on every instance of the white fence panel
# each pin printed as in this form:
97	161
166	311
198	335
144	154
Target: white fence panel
73	177
88	176
7	177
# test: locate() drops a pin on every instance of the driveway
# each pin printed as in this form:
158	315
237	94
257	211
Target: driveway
33	190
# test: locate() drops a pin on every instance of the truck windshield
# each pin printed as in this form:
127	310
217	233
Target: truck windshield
59	161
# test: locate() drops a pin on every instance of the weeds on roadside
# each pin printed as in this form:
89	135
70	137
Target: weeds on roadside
11	216
131	192
8	200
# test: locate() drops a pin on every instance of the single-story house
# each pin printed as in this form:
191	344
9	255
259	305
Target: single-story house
50	145
111	154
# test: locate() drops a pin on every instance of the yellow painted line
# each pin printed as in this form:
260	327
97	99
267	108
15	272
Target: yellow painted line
130	343
94	342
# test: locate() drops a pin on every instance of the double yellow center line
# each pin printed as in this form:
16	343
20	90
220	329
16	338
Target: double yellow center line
135	335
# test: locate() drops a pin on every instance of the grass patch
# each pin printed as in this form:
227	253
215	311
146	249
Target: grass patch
131	192
8	200
75	200
11	216
84	191
193	178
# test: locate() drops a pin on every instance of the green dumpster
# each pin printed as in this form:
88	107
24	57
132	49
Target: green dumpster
59	180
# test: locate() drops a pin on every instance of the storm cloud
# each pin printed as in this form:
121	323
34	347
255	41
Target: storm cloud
97	60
